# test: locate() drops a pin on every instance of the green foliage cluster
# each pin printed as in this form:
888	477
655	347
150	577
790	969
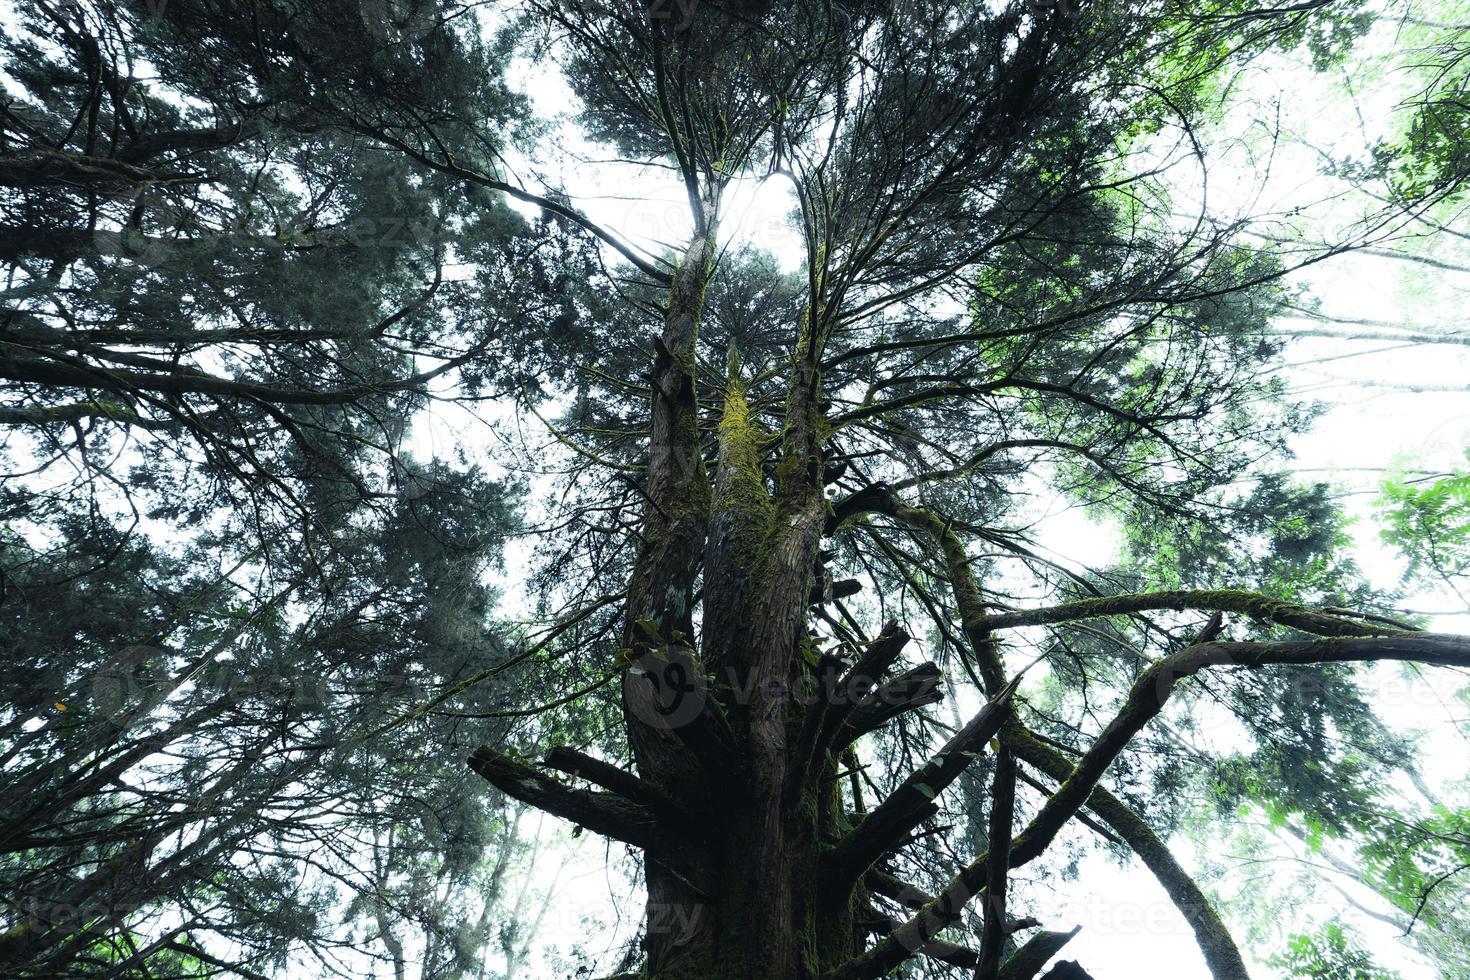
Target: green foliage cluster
1429	524
1332	953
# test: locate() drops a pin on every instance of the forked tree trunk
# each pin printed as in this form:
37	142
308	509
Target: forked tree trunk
740	893
757	866
754	869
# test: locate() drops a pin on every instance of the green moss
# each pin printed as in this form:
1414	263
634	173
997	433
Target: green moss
742	503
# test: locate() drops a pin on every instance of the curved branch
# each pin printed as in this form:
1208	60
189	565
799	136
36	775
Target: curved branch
1158	682
1214	940
1259	607
1145	700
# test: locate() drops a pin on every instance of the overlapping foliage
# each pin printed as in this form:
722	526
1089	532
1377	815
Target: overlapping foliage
257	258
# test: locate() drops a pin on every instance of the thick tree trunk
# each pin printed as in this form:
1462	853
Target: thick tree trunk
747	902
770	922
740	891
755	865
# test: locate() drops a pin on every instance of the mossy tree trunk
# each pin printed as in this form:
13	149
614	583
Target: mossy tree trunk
755	866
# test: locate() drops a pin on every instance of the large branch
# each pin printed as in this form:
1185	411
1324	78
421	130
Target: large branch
856	687
912	689
1145	700
182	381
1002	814
1023	964
79	412
979	624
1027	961
1390	335
1259	607
969	390
614	779
939	949
1214	940
886	827
604	813
1082	818
1158	682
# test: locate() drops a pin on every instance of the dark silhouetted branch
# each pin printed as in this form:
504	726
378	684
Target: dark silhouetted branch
610	777
1002	813
909	690
604	813
889	823
1026	962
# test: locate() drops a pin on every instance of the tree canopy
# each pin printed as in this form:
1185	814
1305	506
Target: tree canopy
369	487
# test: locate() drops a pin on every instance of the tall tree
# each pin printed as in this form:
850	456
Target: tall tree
995	284
223	567
775	509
